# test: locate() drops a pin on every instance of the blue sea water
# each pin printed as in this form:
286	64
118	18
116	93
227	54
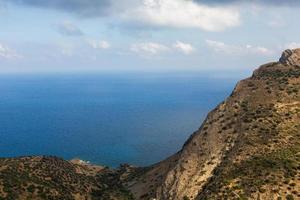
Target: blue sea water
108	119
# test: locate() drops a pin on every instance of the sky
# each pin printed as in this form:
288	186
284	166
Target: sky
145	35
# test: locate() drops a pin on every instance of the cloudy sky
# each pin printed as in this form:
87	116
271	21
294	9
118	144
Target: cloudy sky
144	35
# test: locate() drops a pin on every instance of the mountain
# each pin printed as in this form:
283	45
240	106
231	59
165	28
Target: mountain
247	148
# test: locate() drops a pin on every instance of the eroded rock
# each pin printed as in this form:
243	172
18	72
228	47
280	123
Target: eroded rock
290	57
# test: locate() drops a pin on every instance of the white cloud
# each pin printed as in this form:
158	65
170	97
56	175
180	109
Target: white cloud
183	14
69	29
149	48
221	47
185	48
292	45
218	46
99	44
7	53
258	50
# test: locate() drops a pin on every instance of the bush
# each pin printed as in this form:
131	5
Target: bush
289	197
186	198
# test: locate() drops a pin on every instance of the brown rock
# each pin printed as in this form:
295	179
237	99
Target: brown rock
290	57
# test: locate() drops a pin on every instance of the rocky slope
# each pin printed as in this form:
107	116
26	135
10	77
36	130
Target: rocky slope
247	148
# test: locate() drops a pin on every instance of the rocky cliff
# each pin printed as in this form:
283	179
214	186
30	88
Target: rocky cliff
247	148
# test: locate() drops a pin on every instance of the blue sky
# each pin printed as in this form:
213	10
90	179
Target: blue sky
144	35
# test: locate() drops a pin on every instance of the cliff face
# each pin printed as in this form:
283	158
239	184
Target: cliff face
248	147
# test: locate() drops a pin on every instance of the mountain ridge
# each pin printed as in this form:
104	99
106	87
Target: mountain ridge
188	171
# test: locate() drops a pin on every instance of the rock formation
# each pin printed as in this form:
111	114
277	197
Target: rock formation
290	57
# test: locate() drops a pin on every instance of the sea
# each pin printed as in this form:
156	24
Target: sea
105	118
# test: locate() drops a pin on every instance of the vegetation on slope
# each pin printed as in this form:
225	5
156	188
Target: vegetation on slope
54	178
265	162
247	148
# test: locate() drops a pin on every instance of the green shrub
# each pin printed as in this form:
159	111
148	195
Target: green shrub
289	197
186	198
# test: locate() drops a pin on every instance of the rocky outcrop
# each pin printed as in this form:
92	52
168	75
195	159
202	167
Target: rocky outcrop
290	57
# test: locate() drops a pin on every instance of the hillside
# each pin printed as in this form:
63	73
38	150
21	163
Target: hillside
47	177
247	148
